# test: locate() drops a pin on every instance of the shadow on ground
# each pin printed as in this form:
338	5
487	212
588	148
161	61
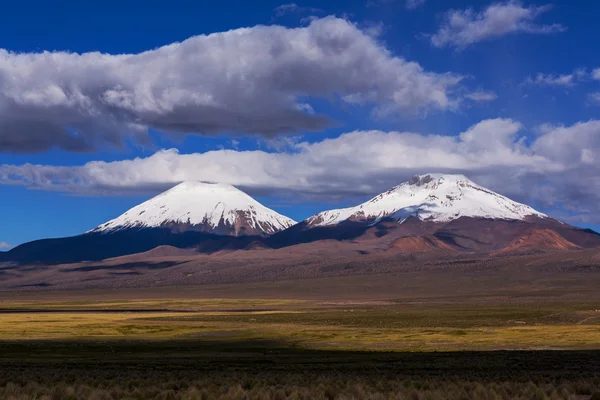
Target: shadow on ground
223	369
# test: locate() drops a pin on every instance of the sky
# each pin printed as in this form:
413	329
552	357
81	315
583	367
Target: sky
306	106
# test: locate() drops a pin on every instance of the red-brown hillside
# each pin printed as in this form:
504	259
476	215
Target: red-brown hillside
539	240
419	244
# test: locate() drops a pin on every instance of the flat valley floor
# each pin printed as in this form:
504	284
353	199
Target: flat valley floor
418	335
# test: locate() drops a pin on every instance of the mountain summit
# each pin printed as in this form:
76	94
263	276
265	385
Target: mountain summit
206	207
430	197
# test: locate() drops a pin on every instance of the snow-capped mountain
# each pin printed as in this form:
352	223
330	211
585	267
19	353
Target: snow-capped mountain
211	218
430	197
207	207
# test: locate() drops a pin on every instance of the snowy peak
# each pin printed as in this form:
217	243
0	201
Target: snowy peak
207	207
430	197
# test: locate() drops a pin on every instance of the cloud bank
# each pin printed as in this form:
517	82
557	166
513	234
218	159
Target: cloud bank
560	167
461	28
257	80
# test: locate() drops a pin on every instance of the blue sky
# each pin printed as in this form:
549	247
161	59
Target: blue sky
527	68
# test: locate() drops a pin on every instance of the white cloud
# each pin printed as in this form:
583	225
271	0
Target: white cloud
412	4
462	28
560	80
255	80
325	167
288	8
581	74
561	167
594	98
567	80
285	8
373	29
5	246
482	96
596	74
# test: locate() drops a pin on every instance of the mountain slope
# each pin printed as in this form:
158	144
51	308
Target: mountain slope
212	208
419	244
430	197
539	240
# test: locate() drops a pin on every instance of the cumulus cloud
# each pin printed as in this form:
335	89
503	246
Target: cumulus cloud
412	4
256	80
461	28
596	74
374	29
5	246
560	168
482	96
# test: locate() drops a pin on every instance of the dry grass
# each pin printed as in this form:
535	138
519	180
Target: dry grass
271	349
158	370
292	386
390	327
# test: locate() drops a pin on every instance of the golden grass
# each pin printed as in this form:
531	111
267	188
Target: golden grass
377	328
83	325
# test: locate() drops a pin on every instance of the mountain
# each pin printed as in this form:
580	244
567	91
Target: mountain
203	216
429	197
432	214
440	211
205	207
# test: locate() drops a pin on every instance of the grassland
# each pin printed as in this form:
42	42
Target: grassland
246	370
287	349
385	326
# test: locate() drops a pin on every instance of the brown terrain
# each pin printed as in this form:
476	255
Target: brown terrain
465	257
382	263
419	244
539	240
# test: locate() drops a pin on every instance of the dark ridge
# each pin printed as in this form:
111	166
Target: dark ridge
301	233
450	238
42	284
96	246
131	265
125	273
